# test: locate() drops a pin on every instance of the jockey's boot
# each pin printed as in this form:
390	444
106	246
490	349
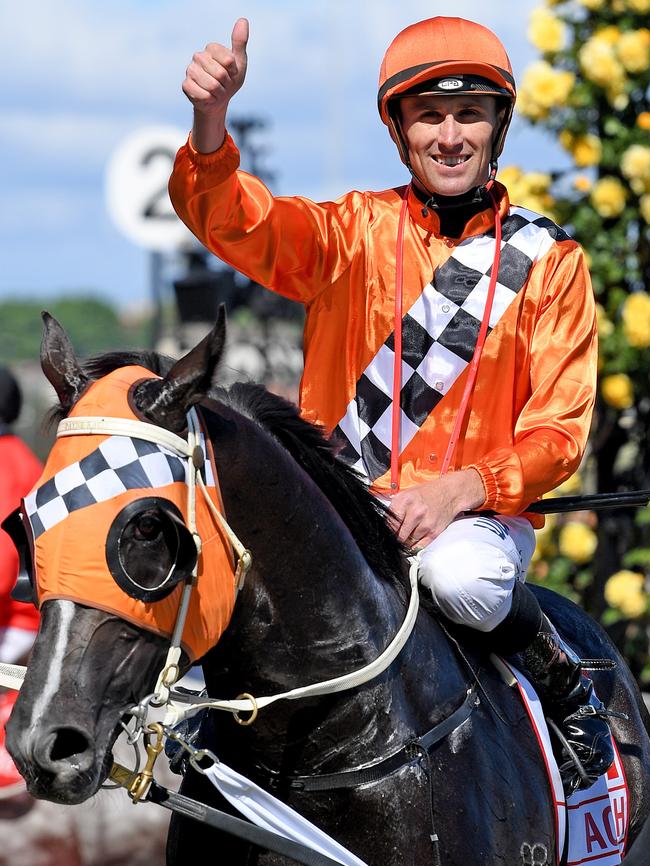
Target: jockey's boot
568	699
567	694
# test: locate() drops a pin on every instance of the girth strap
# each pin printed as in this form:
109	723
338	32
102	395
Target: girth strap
236	827
411	751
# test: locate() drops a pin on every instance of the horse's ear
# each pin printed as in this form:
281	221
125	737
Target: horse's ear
60	364
166	402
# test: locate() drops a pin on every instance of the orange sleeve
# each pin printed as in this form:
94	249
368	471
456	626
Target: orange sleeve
552	429
289	244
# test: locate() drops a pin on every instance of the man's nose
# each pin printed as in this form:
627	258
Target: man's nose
449	133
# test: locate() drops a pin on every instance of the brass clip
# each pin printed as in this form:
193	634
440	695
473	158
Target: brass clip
140	784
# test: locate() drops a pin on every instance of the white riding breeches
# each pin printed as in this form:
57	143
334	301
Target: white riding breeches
472	566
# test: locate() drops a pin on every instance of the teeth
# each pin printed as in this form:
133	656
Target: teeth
451	160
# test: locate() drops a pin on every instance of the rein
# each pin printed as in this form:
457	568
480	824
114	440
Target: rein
185	705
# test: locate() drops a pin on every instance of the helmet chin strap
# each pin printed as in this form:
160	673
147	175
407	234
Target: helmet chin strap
436	202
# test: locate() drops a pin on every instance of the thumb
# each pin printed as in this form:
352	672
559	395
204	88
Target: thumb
239	39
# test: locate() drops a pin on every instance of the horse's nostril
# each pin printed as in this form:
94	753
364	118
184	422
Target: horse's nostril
68	743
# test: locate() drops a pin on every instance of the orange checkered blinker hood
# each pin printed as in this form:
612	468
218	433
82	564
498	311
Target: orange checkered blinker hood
108	530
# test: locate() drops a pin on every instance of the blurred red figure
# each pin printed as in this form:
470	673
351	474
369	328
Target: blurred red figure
19	471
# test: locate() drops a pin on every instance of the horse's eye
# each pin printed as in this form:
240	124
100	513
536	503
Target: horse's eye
147	528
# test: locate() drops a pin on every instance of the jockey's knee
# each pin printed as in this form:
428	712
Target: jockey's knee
471	584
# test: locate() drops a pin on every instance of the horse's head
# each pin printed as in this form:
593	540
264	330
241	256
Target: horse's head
105	539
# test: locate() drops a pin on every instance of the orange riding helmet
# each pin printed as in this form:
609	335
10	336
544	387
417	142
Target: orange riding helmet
445	56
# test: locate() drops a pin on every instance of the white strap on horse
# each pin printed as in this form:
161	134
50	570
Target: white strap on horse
176	712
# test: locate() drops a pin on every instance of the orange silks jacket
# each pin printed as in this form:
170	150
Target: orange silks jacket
531	407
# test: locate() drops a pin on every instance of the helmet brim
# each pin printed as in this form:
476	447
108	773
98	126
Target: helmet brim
406	82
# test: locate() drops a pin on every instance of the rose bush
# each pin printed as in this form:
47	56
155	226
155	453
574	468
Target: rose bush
590	88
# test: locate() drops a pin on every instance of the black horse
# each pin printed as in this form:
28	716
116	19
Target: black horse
327	592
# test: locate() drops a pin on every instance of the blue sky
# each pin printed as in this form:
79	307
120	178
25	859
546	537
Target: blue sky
80	76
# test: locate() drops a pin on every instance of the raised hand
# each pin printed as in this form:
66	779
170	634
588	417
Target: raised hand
212	79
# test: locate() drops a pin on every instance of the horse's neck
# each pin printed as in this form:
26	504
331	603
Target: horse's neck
311	597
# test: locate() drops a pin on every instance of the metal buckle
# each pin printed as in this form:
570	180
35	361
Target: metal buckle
196	755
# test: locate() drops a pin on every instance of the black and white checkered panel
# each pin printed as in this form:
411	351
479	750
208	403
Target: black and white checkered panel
439	335
119	464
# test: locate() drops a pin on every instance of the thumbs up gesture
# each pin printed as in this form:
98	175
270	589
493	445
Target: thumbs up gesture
216	73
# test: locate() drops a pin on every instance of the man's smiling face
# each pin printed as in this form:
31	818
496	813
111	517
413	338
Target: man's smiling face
449	139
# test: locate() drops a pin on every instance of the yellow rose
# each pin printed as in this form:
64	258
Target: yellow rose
605	326
600	64
640	185
608	197
625	591
643	120
618	101
644	207
527	106
544	541
633	49
635	162
537	182
582	183
577	542
638	5
610	34
566	139
509	175
543	88
636	320
546	32
617	390
530	190
586	150
572	485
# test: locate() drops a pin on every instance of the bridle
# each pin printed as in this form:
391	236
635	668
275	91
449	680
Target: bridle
180	706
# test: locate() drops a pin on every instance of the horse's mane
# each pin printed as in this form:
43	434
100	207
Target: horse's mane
361	512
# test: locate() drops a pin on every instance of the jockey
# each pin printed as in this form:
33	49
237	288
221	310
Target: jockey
450	337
